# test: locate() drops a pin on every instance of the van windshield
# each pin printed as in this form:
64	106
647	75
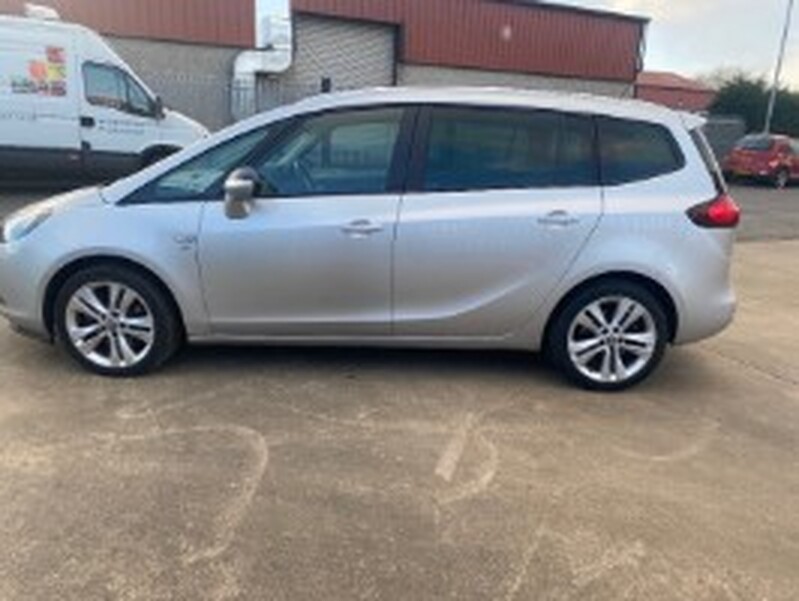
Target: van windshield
759	143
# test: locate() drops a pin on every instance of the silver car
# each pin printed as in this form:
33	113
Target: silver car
596	230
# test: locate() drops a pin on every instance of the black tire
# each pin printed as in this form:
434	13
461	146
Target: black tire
560	329
152	157
168	330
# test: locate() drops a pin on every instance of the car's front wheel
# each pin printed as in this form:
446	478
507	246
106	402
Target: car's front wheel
116	321
609	336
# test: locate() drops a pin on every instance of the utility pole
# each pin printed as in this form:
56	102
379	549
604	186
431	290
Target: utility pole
778	71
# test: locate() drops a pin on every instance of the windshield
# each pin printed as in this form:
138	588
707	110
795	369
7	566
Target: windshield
756	143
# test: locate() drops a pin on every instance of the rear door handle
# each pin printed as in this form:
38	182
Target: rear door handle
362	227
558	219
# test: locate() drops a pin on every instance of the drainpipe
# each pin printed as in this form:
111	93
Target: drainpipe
272	55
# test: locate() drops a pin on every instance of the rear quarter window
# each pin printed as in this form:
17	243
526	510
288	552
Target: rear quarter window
633	151
709	159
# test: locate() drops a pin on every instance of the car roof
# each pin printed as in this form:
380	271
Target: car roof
501	97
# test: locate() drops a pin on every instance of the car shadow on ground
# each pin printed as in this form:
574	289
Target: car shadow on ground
352	360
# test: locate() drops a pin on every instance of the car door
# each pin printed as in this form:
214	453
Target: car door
118	121
501	203
313	257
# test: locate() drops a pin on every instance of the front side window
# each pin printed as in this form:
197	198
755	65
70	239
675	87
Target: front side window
105	86
335	153
633	151
110	87
481	149
202	176
139	101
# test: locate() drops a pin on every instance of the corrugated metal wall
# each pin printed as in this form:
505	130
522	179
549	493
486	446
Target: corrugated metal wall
486	34
216	22
480	34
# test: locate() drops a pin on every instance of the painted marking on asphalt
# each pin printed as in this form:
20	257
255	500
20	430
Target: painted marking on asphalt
453	452
485	474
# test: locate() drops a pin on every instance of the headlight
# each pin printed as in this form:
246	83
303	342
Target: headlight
22	223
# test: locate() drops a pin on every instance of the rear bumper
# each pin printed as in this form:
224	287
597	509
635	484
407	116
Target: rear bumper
706	317
752	173
707	300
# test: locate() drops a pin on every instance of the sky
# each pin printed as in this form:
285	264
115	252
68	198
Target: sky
696	37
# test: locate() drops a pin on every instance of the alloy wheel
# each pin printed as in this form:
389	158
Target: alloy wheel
110	325
612	340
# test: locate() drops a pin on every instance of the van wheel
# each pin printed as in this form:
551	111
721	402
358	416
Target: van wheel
115	321
151	157
610	336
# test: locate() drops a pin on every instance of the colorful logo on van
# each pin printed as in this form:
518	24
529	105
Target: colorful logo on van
45	77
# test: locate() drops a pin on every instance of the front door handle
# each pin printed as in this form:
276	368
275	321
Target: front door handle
558	219
362	227
87	122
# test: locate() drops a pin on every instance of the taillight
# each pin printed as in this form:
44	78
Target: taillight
719	213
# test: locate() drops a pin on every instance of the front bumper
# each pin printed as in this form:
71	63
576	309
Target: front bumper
18	294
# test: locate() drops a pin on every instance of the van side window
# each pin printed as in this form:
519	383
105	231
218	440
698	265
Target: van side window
104	86
633	151
112	88
483	149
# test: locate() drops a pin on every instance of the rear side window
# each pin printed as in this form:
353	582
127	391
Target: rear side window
482	149
633	151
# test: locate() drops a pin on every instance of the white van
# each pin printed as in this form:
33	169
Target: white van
70	106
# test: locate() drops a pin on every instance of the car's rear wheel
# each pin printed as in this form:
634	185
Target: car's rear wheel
116	321
782	179
609	336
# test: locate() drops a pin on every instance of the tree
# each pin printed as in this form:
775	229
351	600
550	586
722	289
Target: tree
747	97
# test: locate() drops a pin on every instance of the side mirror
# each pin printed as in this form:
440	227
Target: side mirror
159	108
241	187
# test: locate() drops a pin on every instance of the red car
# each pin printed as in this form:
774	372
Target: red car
765	157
